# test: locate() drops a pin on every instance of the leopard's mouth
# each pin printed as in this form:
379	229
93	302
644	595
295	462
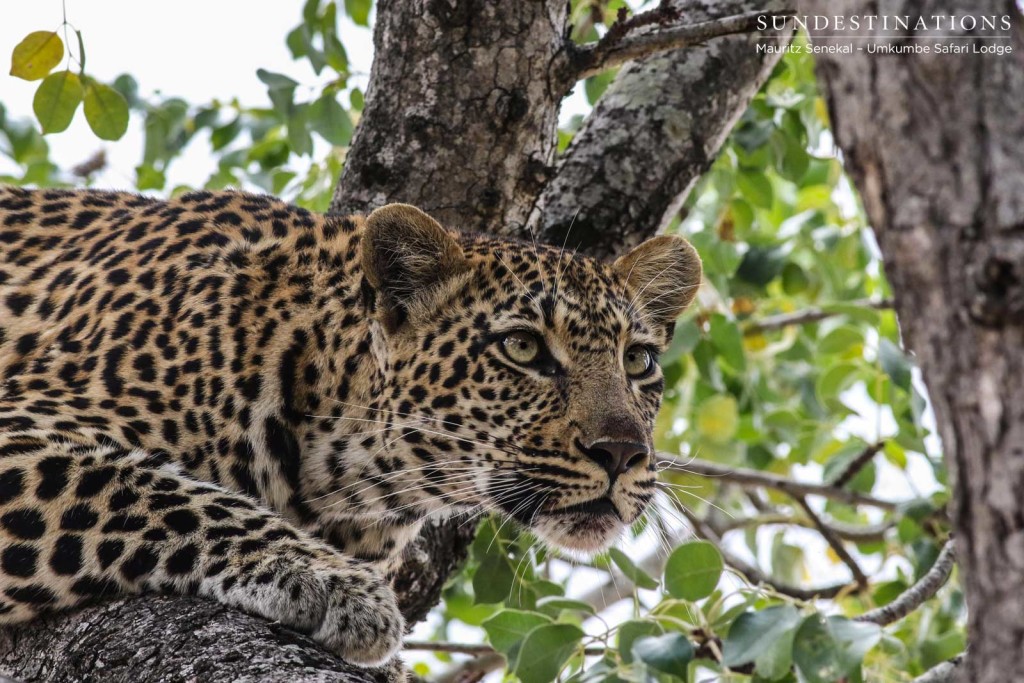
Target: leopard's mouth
586	527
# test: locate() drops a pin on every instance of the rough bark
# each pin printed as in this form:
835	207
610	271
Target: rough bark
654	132
935	144
460	112
459	119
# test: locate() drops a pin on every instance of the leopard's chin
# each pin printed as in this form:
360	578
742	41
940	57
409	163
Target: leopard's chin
581	532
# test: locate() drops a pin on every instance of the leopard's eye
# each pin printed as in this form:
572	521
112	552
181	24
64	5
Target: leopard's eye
637	361
522	347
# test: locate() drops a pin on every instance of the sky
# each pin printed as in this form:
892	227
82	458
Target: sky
197	50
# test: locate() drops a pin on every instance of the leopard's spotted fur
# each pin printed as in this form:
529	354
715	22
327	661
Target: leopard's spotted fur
227	395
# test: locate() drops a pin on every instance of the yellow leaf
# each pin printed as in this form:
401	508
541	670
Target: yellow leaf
36	55
718	418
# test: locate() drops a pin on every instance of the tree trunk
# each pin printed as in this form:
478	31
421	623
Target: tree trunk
935	144
459	119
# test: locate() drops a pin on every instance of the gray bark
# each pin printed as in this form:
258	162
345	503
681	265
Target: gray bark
657	128
935	144
460	120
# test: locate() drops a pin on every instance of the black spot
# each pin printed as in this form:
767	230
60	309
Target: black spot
181	521
19	302
66	559
118	276
54	473
123	498
283	446
78	517
92	586
162	501
19	560
111	371
182	561
94	481
12	483
140	563
216	512
109	551
31	595
26	343
24	523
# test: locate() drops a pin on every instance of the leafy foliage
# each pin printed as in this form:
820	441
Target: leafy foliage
780	233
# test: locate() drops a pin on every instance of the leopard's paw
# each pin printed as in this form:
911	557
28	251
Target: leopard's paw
362	623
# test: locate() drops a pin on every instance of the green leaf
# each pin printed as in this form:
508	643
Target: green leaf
894	363
298	130
81	51
36	55
544	651
281	89
830	649
761	265
631	571
693	570
509	626
106	111
595	86
331	121
555	604
841	339
359	11
765	638
56	100
670	653
728	340
756	188
631	631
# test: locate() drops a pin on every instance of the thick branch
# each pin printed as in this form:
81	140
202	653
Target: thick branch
943	673
656	129
128	640
615	49
919	593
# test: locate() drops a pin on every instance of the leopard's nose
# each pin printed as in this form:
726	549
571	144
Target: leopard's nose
617	457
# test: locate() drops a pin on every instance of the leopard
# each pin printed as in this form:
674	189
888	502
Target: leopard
226	395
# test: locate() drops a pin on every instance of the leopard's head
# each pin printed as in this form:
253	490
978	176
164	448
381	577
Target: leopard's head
525	377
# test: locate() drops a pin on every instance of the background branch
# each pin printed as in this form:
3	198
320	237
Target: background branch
922	591
618	47
808	316
649	139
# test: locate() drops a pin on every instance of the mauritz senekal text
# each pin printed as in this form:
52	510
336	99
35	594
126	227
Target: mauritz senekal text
939	48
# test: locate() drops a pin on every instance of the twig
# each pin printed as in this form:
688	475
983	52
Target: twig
856	465
635	39
835	543
748	477
916	595
943	673
847	532
471	670
472	648
757	577
809	315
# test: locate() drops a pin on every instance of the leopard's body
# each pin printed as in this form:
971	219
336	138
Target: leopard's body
227	395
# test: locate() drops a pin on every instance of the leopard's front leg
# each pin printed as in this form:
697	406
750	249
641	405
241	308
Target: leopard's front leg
74	528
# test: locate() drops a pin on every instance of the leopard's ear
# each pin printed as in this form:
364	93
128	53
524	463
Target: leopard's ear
408	258
662	276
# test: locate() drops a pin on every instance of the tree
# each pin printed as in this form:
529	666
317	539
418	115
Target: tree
695	130
945	193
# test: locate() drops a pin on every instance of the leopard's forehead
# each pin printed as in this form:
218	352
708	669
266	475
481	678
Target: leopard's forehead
570	294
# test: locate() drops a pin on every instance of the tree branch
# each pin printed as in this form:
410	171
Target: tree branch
943	673
919	593
620	46
848	532
835	543
655	130
856	465
808	316
754	574
796	489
